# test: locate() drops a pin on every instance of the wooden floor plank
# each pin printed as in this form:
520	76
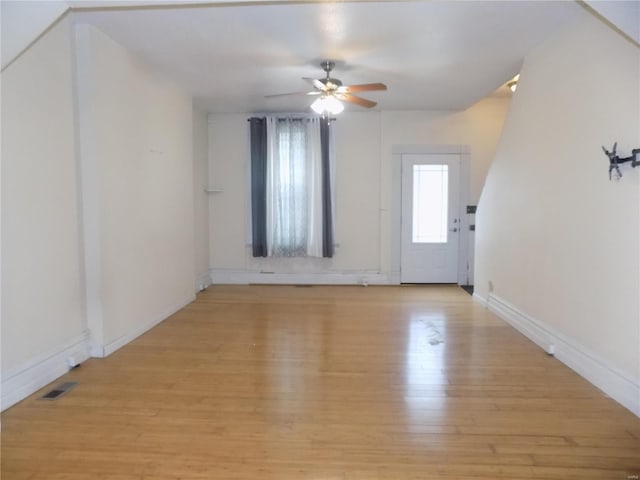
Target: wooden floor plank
324	383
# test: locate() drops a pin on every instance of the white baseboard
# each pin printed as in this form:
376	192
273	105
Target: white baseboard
244	277
618	385
203	281
125	339
481	300
19	383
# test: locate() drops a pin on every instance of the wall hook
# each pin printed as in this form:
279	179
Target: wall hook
615	160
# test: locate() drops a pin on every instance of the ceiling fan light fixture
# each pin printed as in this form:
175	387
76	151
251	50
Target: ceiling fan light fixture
327	104
331	93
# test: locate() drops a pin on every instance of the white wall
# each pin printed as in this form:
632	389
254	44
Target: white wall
98	233
557	242
228	154
201	197
140	149
364	188
478	127
43	306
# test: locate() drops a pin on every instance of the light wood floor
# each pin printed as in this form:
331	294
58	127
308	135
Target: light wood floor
324	383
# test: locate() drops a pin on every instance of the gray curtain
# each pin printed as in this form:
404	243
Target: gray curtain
327	208
258	133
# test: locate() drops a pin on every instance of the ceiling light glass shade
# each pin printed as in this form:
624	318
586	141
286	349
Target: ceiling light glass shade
327	104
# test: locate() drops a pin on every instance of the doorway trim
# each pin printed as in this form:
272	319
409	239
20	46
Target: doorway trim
465	250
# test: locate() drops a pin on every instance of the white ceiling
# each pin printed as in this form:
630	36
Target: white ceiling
431	54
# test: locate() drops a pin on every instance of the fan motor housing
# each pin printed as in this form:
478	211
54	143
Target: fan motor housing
333	81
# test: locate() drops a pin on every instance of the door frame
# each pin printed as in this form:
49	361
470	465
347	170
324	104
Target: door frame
465	248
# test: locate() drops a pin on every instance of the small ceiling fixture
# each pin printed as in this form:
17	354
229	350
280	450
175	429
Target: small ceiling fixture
513	83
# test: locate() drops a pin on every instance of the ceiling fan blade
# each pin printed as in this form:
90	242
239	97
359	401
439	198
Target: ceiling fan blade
316	83
363	102
363	87
291	94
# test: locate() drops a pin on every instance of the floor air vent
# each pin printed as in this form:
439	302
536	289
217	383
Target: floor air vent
59	391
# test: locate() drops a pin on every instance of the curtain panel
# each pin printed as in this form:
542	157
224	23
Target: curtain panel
327	187
258	135
291	190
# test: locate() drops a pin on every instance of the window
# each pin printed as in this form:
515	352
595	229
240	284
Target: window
430	203
291	187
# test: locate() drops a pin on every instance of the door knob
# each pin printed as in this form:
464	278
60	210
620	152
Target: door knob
453	229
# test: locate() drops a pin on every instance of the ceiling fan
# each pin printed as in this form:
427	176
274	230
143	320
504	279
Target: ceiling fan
332	92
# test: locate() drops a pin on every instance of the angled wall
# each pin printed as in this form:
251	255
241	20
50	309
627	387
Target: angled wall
558	244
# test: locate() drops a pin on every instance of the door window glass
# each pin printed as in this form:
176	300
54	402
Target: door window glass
430	203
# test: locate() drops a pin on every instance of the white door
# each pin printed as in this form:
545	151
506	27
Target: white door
430	218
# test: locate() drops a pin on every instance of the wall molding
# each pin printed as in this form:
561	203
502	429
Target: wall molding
132	335
245	277
480	299
617	384
20	382
88	201
203	281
